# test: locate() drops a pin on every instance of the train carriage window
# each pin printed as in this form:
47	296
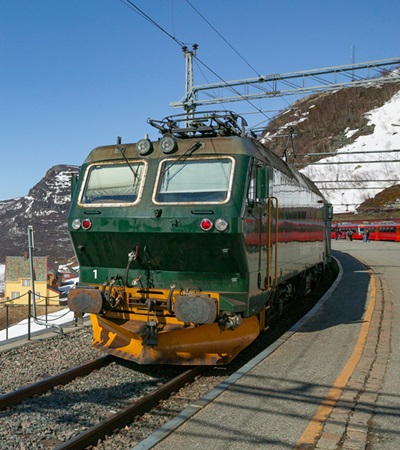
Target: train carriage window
111	184
194	181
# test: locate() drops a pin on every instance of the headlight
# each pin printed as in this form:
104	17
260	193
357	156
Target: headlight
168	144
76	224
144	147
221	225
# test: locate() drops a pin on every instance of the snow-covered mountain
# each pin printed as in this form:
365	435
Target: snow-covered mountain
360	128
45	208
372	162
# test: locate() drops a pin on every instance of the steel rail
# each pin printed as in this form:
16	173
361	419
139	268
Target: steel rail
14	397
127	415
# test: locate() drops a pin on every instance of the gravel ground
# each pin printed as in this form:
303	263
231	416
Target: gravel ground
36	359
68	410
47	421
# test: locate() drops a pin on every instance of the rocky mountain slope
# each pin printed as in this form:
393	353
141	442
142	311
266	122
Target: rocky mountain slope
320	122
347	142
45	208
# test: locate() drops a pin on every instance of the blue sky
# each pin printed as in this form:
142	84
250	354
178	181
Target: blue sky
76	74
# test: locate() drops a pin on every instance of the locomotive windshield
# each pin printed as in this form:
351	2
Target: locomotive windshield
113	183
195	181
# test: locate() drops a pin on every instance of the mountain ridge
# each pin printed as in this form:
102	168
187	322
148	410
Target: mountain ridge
46	208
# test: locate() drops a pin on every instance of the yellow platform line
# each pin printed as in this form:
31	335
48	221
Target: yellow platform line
311	433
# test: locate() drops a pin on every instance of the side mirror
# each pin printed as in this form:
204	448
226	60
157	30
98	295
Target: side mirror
262	183
329	211
74	182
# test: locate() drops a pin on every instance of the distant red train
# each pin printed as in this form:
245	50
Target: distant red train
382	231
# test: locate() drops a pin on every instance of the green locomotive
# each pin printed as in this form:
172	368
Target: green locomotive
187	245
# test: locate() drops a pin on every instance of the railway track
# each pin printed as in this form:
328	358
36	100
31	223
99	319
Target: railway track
19	395
117	420
120	419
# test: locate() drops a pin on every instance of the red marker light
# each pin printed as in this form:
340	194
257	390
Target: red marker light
86	224
206	224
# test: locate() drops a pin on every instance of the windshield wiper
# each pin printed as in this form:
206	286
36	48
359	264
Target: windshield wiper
185	155
122	150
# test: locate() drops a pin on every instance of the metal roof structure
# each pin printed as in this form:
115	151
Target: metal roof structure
284	84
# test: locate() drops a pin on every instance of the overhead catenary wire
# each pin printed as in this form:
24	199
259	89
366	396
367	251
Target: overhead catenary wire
142	14
231	46
352	188
363	152
222	37
355	162
259	110
358	181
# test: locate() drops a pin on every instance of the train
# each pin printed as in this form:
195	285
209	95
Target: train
379	231
190	243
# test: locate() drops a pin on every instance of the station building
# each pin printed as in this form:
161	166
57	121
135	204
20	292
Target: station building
18	283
